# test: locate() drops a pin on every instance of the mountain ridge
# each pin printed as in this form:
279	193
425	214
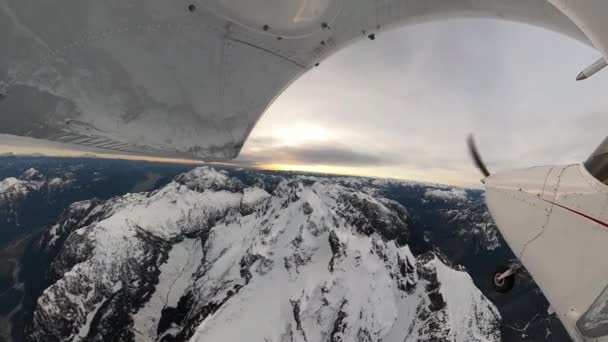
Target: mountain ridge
301	259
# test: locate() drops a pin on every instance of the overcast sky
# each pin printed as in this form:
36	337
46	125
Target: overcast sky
401	106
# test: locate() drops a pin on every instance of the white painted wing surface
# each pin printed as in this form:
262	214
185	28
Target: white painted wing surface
187	78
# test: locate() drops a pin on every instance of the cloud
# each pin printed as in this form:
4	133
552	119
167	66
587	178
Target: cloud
407	101
268	152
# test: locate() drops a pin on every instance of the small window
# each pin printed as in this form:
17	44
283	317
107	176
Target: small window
594	323
597	164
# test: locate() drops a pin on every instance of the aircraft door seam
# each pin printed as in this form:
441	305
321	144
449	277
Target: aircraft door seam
548	218
596	185
545	183
237	40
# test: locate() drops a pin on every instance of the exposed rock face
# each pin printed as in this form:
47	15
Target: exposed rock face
210	257
444	213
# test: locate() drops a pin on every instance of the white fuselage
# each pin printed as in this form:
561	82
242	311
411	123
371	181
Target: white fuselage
555	219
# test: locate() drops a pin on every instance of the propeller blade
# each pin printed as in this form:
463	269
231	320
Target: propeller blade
476	157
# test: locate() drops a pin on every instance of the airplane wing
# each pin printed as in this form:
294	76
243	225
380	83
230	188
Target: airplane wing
190	78
590	17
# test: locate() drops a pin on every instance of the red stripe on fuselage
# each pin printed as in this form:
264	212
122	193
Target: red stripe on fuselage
600	222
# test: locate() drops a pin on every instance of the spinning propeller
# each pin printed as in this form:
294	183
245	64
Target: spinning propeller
476	157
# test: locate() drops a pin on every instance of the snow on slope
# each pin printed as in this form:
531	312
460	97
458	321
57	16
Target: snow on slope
31	180
209	258
175	277
447	194
14	191
9	183
13	188
463	318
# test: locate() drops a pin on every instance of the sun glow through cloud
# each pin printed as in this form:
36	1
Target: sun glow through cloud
302	133
399	108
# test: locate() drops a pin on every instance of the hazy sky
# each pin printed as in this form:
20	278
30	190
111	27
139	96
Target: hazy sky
401	106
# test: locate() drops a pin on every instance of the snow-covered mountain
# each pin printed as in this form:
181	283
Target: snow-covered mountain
456	222
14	191
212	257
443	213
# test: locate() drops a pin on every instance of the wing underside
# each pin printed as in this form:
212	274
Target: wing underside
181	78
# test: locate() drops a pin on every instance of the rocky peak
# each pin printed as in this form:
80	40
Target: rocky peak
207	178
32	175
209	258
13	191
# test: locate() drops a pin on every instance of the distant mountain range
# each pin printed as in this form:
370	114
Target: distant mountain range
33	193
237	254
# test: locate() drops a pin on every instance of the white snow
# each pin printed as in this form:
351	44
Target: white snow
176	274
292	269
84	329
166	212
13	189
461	299
204	177
447	194
56	181
253	196
10	184
361	285
29	173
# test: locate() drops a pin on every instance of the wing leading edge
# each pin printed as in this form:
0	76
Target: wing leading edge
183	78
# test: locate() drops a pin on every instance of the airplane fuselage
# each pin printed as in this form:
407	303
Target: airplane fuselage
555	219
